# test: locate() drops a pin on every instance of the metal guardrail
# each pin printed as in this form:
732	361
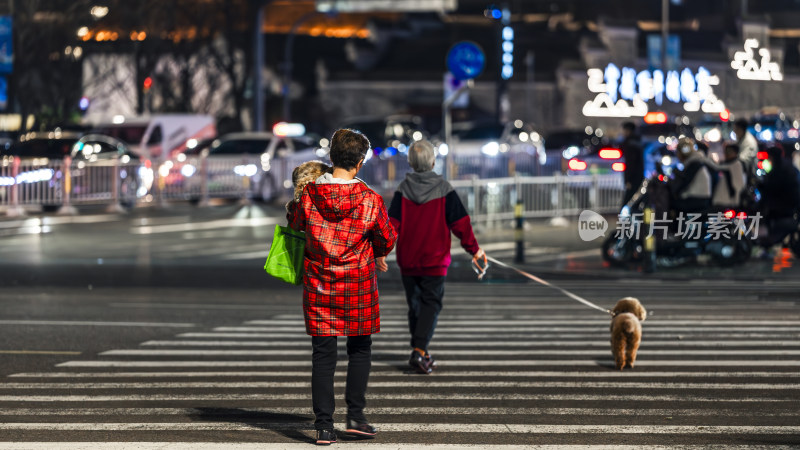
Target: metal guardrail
123	182
494	200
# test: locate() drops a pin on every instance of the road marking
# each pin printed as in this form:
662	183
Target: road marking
600	362
304	446
417	383
37	352
376	374
473	352
424	396
531	335
568	255
254	222
188	306
246	255
391	411
59	220
526	305
597	328
441	344
553	321
427	427
96	324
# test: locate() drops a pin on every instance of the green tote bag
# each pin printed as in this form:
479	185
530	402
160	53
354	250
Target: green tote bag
285	257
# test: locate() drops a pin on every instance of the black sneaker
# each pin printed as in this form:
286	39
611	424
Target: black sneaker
326	437
420	363
431	361
364	430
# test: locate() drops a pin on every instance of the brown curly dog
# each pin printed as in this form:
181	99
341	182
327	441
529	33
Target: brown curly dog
626	331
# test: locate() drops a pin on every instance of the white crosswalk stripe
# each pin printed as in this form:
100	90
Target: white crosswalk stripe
724	379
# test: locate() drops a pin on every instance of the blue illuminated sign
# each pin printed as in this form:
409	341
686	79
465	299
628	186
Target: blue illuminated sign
465	60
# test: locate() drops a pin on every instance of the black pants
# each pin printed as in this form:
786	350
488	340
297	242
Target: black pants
424	296
323	362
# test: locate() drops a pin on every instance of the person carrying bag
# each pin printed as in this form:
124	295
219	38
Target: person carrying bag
348	236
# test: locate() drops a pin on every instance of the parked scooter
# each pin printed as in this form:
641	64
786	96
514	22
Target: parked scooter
724	242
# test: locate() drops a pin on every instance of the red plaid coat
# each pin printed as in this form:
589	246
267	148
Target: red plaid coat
346	228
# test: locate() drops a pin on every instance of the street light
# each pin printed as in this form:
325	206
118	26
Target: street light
98	12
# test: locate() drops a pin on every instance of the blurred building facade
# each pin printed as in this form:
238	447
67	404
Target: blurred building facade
198	57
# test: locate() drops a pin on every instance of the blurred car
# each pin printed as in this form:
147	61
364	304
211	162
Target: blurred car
103	155
660	126
259	162
196	146
772	125
42	157
157	136
491	150
600	161
659	134
715	131
43	146
585	151
712	129
572	143
389	135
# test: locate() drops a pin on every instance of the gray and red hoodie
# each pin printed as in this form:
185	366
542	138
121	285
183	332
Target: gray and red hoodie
424	210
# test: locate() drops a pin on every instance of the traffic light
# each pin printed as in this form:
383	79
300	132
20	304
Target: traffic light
148	83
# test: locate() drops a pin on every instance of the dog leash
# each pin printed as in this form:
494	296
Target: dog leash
545	283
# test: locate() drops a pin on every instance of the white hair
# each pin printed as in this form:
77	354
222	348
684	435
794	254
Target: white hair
421	156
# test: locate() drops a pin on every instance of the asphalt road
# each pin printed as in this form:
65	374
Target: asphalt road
159	329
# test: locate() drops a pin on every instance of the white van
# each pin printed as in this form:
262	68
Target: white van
158	136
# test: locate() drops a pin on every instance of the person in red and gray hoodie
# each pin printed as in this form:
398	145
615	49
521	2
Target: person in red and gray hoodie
424	211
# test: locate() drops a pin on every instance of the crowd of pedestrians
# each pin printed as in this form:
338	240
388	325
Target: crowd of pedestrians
768	186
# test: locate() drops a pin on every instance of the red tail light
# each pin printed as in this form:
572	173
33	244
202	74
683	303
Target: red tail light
742	215
729	214
610	153
655	117
577	165
618	167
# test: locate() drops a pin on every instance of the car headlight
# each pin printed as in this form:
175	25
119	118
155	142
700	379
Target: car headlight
491	149
188	170
35	176
245	170
713	135
571	152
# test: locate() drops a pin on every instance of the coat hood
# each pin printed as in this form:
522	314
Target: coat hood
335	198
422	187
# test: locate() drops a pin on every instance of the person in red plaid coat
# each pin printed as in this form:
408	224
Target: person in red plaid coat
348	236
